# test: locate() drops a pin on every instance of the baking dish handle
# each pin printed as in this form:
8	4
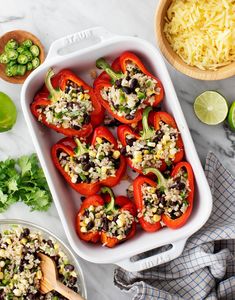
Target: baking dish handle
154	260
82	39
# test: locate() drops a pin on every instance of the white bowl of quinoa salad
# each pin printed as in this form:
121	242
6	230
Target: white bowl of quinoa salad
20	271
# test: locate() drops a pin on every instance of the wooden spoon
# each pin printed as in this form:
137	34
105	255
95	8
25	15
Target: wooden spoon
50	280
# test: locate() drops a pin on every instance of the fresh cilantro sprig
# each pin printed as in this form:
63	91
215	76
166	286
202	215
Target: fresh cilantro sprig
23	180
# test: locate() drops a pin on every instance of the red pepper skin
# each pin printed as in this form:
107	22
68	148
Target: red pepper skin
96	200
125	204
154	119
168	119
105	81
92	237
179	222
59	80
68	145
137	184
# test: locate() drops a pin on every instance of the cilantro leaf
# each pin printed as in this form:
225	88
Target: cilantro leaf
23	180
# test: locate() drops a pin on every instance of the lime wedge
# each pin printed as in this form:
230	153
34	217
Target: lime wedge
231	116
211	108
8	113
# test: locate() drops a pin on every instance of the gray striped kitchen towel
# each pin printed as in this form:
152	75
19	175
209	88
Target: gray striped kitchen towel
206	269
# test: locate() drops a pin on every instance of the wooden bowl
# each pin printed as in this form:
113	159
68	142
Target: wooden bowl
19	36
175	60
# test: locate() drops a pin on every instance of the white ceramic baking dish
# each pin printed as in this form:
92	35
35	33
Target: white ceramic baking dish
79	52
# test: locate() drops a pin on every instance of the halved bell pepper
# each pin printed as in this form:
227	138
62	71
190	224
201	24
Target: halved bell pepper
92	236
53	90
150	125
73	147
116	72
161	185
111	206
179	222
137	184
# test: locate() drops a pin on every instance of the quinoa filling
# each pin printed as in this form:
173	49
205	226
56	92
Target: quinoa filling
151	152
99	162
116	224
171	201
20	271
129	93
72	110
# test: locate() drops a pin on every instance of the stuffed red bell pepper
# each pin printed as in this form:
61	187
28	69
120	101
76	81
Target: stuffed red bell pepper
67	105
109	220
157	145
165	202
87	167
128	89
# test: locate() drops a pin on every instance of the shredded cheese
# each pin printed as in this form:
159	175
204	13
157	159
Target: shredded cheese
202	32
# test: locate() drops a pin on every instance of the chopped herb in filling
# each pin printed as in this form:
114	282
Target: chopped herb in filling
171	201
71	110
99	162
116	224
150	152
128	94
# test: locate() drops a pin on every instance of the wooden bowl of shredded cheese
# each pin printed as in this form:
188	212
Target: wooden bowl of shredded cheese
198	36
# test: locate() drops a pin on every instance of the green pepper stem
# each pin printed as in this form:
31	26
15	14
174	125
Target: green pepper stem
55	94
148	132
162	182
111	205
101	63
80	150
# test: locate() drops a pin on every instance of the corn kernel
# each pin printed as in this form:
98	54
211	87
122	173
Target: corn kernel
119	237
80	97
156	218
39	274
87	96
99	140
83	229
66	168
146	152
24	241
116	154
110	217
1	275
92	153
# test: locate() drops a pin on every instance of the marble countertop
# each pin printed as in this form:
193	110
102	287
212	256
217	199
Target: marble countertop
50	20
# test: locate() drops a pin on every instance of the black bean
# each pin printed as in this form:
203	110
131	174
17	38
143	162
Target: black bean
75	289
90	225
127	231
85	166
82	199
87	119
69	267
118	83
134	84
86	213
115	218
128	77
72	280
160	211
123	151
111	122
130	117
126	90
130	141
105	224
26	231
76	127
181	185
50	243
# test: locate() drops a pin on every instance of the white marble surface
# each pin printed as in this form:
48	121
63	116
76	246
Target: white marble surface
50	20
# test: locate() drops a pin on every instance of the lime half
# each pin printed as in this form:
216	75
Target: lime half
211	108
8	113
231	116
